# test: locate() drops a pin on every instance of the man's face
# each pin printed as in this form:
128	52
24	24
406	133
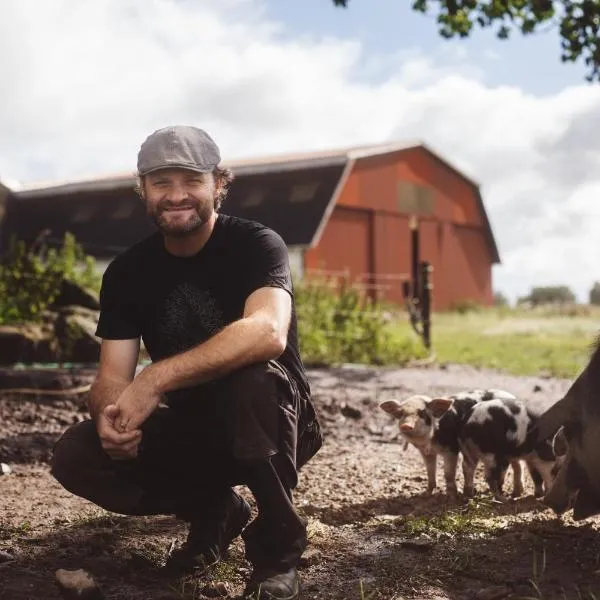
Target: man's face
179	201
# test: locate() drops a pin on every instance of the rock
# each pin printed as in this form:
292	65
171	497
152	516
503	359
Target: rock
26	343
5	469
496	592
72	294
350	411
75	332
6	557
77	585
310	557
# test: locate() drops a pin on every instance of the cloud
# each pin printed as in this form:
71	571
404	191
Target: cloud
84	83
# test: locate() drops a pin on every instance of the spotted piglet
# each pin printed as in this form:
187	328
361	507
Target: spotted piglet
432	426
499	432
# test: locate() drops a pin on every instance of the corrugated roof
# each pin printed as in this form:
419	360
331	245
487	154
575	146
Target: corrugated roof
274	163
247	166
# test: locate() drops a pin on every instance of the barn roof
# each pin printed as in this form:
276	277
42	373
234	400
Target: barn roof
310	181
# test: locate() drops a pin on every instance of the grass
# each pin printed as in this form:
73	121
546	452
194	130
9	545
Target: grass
521	342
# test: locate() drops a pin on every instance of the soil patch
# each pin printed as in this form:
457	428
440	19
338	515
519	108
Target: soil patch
374	533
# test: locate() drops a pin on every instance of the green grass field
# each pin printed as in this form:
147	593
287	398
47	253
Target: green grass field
522	342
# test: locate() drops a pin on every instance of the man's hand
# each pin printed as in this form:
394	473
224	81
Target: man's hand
119	446
136	403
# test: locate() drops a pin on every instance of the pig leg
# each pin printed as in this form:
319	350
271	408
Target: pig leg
517	478
495	469
450	462
468	468
430	464
541	472
471	456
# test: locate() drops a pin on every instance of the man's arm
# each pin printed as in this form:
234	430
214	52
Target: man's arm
260	335
116	370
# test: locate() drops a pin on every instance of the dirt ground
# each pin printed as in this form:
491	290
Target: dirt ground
374	533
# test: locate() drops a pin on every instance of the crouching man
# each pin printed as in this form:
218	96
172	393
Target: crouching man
225	401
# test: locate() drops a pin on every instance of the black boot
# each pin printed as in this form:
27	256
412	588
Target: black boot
210	535
267	584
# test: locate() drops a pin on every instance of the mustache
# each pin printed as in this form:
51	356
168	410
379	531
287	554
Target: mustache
166	205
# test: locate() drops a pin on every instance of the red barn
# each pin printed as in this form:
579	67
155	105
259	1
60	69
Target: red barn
342	210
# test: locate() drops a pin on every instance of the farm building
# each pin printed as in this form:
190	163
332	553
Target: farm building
338	211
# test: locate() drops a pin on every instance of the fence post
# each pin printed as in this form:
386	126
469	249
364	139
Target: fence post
413	225
426	287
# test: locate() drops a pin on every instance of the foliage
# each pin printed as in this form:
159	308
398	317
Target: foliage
30	279
595	294
337	325
462	307
553	294
500	299
578	22
537	341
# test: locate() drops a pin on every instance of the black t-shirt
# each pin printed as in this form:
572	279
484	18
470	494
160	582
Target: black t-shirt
175	303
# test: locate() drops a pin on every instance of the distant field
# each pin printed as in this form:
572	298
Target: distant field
523	342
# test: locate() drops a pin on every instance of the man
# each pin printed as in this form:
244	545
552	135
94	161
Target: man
225	401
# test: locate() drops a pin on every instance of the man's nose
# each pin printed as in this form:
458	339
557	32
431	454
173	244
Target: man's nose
177	193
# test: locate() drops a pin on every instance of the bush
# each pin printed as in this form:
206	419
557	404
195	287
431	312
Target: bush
30	281
500	299
343	325
554	294
595	294
463	307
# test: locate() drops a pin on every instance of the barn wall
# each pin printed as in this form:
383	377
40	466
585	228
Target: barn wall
370	226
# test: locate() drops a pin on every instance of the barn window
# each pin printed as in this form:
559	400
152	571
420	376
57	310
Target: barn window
124	210
254	198
302	192
415	198
84	213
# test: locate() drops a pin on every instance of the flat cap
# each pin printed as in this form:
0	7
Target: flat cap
181	146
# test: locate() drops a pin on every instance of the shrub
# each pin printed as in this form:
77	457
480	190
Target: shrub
30	281
554	294
595	294
341	324
500	299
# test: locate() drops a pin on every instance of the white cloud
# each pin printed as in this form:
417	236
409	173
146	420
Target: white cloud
84	83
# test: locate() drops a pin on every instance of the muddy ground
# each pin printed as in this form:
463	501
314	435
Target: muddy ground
374	533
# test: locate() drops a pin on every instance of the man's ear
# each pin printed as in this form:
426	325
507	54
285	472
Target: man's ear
140	188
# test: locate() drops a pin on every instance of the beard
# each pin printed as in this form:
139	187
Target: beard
178	224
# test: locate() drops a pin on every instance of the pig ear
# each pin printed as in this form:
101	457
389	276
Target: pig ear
560	444
438	406
392	407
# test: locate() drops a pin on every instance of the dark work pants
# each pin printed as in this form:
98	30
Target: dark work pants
251	427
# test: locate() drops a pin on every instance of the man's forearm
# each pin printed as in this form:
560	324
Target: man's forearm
241	343
104	391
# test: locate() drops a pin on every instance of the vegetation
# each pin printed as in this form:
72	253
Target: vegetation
559	294
553	340
30	278
337	325
595	294
577	21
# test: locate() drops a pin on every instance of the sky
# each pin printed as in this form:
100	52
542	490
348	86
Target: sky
83	83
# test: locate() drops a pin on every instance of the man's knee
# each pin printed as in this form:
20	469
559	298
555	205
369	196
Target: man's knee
75	451
254	400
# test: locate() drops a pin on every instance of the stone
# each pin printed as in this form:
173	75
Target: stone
77	585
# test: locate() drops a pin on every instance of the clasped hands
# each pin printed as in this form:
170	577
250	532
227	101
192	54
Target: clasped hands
119	424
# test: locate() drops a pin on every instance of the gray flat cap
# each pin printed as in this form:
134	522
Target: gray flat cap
178	146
